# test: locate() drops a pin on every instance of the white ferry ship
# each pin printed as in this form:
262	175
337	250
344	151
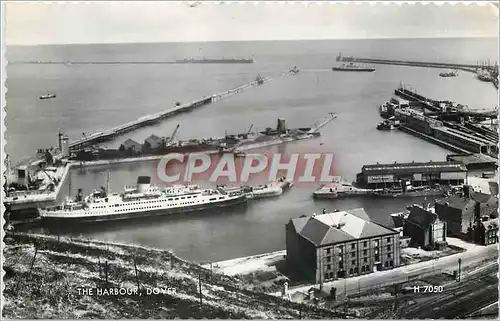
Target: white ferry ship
140	201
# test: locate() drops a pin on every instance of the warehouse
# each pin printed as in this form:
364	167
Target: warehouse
418	174
323	248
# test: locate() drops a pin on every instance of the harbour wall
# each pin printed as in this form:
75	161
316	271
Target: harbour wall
155	118
464	67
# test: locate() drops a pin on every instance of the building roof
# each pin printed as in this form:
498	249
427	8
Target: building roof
400	168
130	142
460	203
338	227
153	139
421	217
490	224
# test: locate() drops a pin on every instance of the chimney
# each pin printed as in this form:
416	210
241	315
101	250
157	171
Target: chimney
281	128
467	191
477	211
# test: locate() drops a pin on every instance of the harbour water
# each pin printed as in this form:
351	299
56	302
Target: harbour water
95	97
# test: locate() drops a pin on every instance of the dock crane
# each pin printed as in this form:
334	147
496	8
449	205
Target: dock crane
171	138
233	149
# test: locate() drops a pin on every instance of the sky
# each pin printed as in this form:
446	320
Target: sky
34	23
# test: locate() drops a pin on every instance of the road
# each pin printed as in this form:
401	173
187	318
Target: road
349	286
478	289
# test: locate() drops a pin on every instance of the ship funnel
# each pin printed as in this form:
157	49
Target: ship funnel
281	128
143	183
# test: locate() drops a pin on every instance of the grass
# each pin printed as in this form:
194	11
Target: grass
44	273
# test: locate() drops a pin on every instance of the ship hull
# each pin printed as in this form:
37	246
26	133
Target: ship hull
347	69
411	194
144	214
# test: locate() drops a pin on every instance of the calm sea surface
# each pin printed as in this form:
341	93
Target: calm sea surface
91	98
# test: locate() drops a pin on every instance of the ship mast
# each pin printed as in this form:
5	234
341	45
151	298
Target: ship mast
107	183
69	184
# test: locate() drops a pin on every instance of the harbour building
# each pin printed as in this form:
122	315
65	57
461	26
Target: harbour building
418	174
329	246
463	214
424	228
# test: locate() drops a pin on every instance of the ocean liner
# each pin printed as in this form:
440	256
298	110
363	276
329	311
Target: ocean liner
140	201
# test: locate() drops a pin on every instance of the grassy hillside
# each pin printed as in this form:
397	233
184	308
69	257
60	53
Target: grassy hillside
44	273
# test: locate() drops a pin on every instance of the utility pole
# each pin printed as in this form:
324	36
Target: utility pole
199	284
459	268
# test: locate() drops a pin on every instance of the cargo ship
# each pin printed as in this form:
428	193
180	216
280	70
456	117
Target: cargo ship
484	75
140	201
353	67
215	61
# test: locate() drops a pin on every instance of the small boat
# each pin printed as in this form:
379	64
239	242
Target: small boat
47	96
449	74
353	67
294	70
259	79
262	191
389	124
339	189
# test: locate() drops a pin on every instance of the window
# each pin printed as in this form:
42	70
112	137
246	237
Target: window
328	258
365	260
377	258
340	258
375	243
365	243
363	268
328	251
389	255
356	270
388	240
388	247
350	271
326	276
353	262
340	249
341	265
376	251
365	252
331	275
328	267
353	246
391	263
353	254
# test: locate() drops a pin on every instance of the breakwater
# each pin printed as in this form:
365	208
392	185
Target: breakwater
155	118
442	65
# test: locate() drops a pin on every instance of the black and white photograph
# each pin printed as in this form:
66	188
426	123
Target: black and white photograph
249	160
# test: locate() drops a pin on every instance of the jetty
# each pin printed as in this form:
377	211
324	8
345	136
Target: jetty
461	133
111	133
438	107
